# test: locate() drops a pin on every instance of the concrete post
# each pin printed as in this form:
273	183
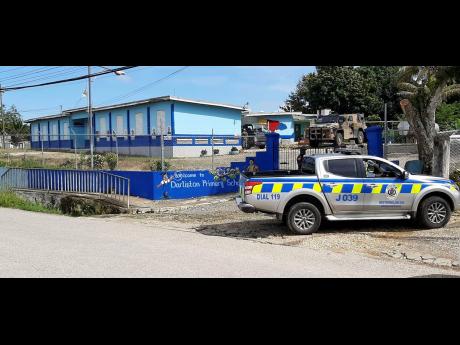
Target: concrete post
441	156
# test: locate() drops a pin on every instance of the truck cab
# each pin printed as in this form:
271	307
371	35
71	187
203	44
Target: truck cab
348	187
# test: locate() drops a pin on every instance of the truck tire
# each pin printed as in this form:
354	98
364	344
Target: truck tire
304	218
434	212
338	139
360	138
261	147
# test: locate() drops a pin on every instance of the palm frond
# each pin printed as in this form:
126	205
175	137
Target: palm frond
451	87
407	87
451	93
407	72
406	94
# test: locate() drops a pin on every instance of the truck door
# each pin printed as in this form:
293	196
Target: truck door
342	185
384	188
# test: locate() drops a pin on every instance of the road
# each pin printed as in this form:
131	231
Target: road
42	245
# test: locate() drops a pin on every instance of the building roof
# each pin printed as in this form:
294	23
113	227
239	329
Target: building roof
134	103
274	113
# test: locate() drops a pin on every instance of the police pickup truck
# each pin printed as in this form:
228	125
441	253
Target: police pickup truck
347	187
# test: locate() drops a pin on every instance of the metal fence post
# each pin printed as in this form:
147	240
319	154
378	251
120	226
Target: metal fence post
43	158
162	149
212	149
385	133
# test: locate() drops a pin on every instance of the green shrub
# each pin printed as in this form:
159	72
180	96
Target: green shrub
98	161
68	164
203	153
11	200
455	176
156	165
374	118
112	160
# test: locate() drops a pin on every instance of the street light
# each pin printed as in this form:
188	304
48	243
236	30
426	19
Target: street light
90	112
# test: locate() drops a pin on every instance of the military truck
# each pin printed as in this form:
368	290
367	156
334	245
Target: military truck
254	135
336	129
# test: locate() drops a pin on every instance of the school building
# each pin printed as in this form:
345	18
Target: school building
134	128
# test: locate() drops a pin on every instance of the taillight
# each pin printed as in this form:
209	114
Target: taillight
248	185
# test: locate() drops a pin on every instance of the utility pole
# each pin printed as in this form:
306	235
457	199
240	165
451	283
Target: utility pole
3	117
90	119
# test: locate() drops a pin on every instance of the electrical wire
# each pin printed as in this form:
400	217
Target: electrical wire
14	69
142	88
48	76
35	71
33	110
66	80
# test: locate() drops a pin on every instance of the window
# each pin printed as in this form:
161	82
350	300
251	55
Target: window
139	118
342	167
308	165
65	130
54	132
102	126
120	125
161	122
35	136
44	131
375	168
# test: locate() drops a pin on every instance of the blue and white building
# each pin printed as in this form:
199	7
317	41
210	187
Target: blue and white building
134	128
292	124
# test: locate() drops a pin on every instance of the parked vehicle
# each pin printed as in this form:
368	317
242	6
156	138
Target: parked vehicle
348	187
255	136
336	129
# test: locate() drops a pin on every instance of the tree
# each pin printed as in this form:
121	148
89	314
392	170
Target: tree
448	116
347	89
14	125
423	89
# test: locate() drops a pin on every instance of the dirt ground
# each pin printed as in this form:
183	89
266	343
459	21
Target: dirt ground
219	216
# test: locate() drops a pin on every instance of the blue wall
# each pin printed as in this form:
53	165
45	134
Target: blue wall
192	118
182	185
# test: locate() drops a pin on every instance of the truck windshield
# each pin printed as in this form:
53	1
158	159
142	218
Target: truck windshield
328	119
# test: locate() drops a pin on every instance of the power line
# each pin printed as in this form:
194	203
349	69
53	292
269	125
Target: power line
48	76
66	80
142	88
14	69
35	71
33	110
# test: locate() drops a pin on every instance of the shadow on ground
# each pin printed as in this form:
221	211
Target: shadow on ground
273	227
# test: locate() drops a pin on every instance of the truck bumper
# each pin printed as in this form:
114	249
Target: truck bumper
245	207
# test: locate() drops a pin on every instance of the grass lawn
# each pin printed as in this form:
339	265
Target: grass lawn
11	200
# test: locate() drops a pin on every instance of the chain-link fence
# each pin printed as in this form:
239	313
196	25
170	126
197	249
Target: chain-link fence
454	163
144	152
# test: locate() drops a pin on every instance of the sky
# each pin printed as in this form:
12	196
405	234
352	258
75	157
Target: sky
265	88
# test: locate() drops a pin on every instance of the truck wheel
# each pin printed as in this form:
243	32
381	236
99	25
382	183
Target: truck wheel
304	218
261	147
360	139
339	139
434	212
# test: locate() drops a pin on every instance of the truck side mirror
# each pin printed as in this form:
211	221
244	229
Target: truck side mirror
405	175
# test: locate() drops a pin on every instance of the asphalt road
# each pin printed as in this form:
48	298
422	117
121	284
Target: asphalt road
42	245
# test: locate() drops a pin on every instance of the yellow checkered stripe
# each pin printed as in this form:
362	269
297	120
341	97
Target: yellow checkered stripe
336	188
